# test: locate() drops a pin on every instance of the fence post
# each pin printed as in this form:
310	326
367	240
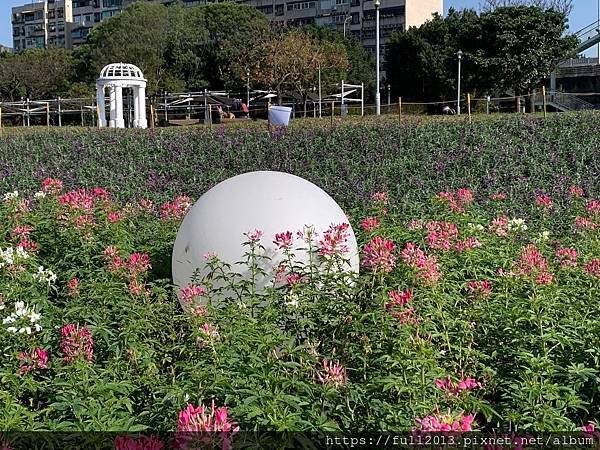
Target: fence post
152	116
487	104
544	101
362	99
81	112
59	113
332	111
28	121
518	103
98	116
399	109
48	115
469	106
210	116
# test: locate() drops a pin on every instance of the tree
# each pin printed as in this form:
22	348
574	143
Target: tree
139	35
563	6
292	59
35	74
361	63
522	46
234	36
507	49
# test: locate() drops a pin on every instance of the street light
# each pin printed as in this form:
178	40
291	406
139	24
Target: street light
247	87
377	93
460	55
349	18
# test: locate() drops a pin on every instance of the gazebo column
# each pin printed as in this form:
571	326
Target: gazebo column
113	106
119	120
141	107
101	103
136	107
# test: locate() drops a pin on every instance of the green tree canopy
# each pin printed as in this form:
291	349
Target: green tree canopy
506	49
35	74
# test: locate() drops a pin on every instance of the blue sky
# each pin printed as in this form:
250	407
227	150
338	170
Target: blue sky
584	13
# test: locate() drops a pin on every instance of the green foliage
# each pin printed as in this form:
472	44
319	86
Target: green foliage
506	49
35	74
532	346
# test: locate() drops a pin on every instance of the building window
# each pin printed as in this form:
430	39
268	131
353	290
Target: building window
16	31
298	6
279	10
268	9
110	3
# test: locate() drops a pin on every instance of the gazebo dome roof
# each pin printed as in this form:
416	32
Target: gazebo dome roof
121	71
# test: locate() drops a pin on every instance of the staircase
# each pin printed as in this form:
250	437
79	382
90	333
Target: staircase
564	102
588	36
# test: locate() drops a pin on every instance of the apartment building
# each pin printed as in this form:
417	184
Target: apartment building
42	24
67	23
4	49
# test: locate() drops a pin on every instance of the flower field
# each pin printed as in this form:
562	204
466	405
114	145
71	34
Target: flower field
477	304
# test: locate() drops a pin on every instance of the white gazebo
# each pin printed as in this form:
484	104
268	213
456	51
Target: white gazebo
117	77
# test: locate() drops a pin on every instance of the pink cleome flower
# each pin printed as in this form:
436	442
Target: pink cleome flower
254	236
498	196
576	191
427	267
399	298
333	373
593	207
284	240
114	216
293	279
499	226
73	287
468	244
583	223
370	223
456	201
446	423
76	343
80	199
544	201
190	292
593	267
199	419
143	443
37	358
566	257
378	255
532	263
138	263
456	388
176	209
480	288
380	197
441	235
52	186
334	240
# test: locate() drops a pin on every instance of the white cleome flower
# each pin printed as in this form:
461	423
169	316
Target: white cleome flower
11	195
23	311
45	275
517	225
476	226
39	195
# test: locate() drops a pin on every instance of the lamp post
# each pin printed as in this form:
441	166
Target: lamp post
320	91
247	87
460	55
349	18
389	89
377	93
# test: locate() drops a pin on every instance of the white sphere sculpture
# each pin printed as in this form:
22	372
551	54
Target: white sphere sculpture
272	202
